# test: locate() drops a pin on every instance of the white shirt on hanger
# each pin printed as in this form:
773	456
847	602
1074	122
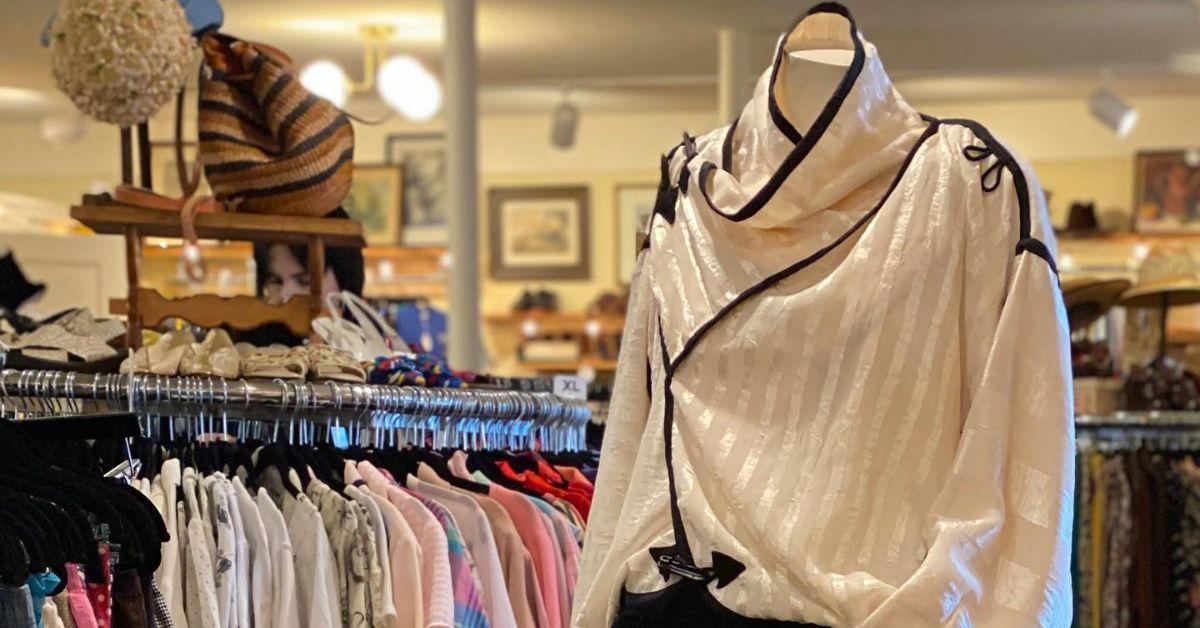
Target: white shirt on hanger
284	606
258	551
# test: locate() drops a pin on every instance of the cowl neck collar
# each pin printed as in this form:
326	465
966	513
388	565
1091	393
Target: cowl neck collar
775	171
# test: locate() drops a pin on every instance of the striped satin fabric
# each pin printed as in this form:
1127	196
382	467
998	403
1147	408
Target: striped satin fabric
268	145
862	377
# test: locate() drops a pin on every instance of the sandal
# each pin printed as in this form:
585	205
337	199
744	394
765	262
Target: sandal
162	357
276	361
328	363
215	356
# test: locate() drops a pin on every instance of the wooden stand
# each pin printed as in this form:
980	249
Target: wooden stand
145	306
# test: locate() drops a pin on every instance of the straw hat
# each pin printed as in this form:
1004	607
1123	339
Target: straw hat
1088	298
1167	275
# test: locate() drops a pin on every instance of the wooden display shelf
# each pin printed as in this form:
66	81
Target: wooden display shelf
210	310
1130	237
600	364
553	323
147	306
115	218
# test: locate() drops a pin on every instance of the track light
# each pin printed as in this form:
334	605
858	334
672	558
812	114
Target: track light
564	123
1111	110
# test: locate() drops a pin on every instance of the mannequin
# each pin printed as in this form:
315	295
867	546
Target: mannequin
816	56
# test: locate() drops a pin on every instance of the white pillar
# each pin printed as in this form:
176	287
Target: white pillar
733	73
464	344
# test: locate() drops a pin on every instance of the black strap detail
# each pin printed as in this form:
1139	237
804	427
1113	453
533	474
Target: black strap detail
677	559
1038	248
994	147
990	179
727	146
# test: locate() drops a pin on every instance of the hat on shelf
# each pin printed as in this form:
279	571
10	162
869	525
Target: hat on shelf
1088	298
1081	219
1167	276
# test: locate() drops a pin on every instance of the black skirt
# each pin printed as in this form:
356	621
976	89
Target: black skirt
687	603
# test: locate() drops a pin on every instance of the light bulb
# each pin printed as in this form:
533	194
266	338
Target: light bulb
409	88
327	80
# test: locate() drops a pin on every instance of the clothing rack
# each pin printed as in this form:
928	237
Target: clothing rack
1153	420
141	392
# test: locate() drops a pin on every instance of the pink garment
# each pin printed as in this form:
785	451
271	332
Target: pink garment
519	574
542	548
570	552
437	587
404	551
100	593
77	598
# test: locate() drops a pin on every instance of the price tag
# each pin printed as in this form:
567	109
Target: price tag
341	438
570	387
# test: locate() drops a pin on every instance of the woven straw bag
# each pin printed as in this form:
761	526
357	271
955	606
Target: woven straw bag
268	145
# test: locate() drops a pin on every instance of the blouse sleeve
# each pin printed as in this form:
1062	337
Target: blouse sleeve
623	432
999	534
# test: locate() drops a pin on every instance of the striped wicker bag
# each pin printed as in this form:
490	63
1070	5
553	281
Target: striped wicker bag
268	145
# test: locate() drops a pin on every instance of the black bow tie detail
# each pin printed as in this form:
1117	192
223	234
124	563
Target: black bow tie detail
724	568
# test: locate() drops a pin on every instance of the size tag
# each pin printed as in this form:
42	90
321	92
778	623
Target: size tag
341	438
570	387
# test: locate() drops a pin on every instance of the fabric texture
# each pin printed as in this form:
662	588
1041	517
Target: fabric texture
258	556
316	577
82	614
845	374
128	604
16	607
437	586
480	542
270	146
469	609
285	610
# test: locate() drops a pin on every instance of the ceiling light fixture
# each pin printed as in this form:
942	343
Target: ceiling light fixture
1112	110
326	79
564	122
406	86
402	81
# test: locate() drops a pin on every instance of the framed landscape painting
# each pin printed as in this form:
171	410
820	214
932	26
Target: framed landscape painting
374	200
539	233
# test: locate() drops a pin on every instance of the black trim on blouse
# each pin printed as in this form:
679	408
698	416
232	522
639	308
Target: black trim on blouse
805	143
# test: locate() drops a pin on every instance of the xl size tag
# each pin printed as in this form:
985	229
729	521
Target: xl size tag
570	387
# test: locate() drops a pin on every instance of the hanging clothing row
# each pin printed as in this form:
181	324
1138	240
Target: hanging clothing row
1136	560
316	528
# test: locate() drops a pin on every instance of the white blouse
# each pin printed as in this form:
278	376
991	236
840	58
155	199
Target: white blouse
853	335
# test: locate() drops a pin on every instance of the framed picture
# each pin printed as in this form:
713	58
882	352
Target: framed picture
635	203
374	200
1167	192
539	233
422	159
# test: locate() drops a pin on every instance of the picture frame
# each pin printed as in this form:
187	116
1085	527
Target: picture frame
374	200
422	158
635	204
1167	192
538	233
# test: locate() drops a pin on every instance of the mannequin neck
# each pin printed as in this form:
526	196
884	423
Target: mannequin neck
808	79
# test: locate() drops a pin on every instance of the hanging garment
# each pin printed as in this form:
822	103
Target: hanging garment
437	586
284	606
844	393
16	607
481	544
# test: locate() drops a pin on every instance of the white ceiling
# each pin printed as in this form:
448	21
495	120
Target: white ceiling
638	54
